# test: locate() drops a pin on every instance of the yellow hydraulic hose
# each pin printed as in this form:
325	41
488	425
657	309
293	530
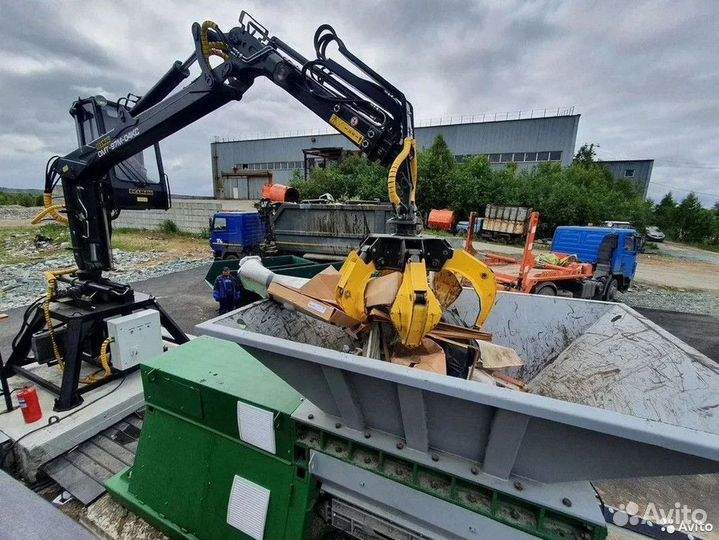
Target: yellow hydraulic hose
409	144
103	356
105	360
212	48
51	277
50	209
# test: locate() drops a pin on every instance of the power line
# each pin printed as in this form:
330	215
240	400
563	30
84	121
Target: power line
679	165
674	188
676	163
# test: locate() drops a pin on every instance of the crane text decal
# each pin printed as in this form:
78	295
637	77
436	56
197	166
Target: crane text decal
122	139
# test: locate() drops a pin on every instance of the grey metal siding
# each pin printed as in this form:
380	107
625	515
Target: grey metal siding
283	155
642	171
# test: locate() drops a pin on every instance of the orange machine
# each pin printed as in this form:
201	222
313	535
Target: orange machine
530	275
441	220
280	193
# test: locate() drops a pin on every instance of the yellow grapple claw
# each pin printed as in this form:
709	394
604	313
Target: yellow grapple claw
354	276
415	311
480	276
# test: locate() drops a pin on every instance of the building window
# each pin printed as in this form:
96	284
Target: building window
628	173
555	156
542	156
494	158
506	158
519	156
530	156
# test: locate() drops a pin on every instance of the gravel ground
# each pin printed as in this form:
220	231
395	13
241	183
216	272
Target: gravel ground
20	284
670	299
13	215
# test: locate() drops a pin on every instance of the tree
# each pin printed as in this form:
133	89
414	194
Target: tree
586	156
665	214
436	169
694	223
579	194
355	177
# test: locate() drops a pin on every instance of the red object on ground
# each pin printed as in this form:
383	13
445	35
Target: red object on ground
441	220
30	404
280	193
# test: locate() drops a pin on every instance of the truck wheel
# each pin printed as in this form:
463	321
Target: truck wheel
610	294
231	257
548	289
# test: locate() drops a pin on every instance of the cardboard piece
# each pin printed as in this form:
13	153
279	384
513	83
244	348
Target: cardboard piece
481	376
311	306
493	356
323	286
428	357
383	290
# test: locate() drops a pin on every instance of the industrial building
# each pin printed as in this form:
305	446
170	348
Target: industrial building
241	167
638	171
527	138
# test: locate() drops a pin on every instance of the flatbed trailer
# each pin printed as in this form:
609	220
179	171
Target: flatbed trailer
532	275
505	223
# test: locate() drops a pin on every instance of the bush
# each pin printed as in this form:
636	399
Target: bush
169	227
688	221
22	199
353	178
579	194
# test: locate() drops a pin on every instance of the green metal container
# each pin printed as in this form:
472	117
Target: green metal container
195	453
286	265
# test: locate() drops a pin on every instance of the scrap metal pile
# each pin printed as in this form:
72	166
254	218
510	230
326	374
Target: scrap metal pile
450	348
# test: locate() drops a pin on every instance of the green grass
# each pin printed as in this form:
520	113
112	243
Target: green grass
169	227
12	238
439	234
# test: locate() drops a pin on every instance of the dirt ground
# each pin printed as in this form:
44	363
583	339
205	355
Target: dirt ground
673	265
670	272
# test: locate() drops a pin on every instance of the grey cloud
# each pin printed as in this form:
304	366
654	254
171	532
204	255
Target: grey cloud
644	75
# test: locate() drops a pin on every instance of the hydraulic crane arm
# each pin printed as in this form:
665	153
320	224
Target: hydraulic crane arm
108	171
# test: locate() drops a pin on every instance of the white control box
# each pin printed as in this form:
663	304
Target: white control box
137	337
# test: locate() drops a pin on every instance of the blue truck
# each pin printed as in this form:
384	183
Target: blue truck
327	229
613	253
234	234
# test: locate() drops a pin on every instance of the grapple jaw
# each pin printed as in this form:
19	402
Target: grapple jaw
418	307
415	311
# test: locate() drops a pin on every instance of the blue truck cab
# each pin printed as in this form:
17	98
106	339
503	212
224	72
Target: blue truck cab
612	252
233	234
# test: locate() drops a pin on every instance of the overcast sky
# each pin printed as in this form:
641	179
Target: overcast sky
643	75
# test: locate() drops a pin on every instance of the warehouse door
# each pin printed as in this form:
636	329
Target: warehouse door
235	187
254	188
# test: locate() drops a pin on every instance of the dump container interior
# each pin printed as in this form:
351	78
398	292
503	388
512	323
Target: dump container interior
600	354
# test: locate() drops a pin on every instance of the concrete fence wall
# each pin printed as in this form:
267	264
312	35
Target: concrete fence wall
190	215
